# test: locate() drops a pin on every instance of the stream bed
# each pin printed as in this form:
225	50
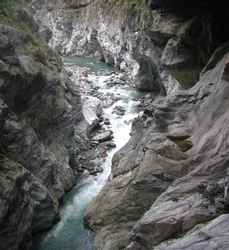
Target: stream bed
69	233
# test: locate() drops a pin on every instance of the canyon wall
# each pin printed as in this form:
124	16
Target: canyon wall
133	37
42	129
169	184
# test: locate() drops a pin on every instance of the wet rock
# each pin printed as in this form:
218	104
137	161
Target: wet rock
116	79
103	136
96	170
107	121
95	125
109	99
92	108
119	110
108	102
109	145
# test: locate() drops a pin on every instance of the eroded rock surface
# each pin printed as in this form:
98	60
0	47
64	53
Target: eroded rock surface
133	37
172	176
169	184
42	130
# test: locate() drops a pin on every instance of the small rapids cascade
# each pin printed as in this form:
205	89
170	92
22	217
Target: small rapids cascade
119	105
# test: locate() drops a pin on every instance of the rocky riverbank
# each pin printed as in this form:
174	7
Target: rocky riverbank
103	93
164	187
170	181
169	184
127	35
43	139
161	48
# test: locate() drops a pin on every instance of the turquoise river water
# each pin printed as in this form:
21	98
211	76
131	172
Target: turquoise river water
69	233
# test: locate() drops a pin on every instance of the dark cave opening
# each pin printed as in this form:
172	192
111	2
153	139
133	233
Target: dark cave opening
217	14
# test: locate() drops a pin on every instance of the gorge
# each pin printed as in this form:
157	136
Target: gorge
114	125
70	233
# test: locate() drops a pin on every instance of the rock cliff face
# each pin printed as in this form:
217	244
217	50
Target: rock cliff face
170	181
169	185
133	37
42	130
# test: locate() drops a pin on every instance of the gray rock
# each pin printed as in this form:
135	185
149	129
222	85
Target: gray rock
107	121
163	190
16	206
119	110
41	129
186	62
163	184
92	108
95	125
212	236
148	77
109	145
22	200
103	136
45	33
143	46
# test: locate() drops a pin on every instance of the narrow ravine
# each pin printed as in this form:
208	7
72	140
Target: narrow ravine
69	233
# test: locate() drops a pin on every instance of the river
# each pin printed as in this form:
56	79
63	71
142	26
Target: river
69	233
